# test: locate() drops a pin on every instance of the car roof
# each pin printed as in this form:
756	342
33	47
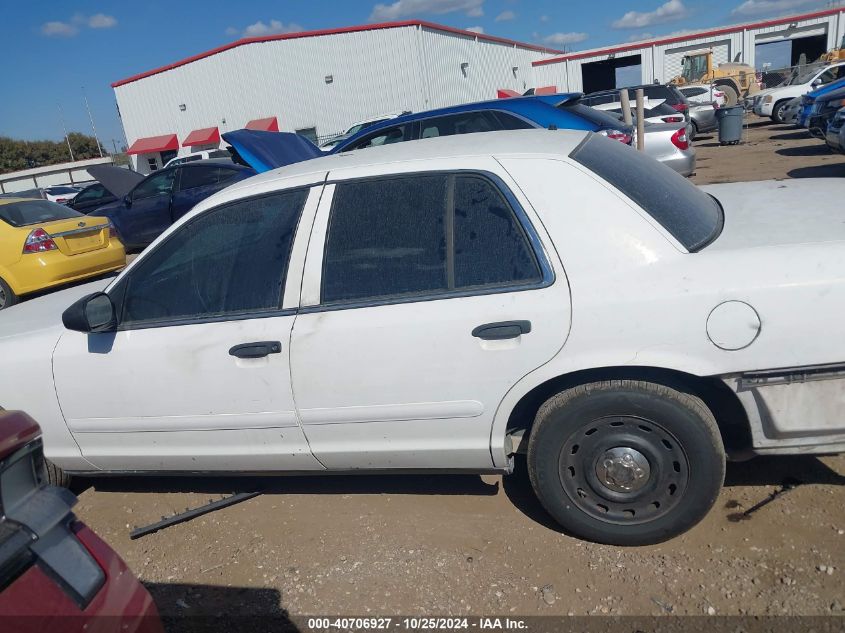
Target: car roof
513	104
503	143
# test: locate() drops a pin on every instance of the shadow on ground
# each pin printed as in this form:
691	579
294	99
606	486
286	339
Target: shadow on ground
819	149
190	608
835	170
791	136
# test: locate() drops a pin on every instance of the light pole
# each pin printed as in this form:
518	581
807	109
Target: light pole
67	140
87	107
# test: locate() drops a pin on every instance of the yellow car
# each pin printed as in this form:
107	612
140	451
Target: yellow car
44	244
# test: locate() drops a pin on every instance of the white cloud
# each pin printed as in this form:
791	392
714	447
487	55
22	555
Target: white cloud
77	22
565	38
544	18
762	7
58	29
636	37
414	8
101	21
504	16
475	29
259	28
668	12
231	30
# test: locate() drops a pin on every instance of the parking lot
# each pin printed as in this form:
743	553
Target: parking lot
469	544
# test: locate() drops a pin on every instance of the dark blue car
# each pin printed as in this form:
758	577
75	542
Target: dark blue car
809	99
557	111
268	150
143	212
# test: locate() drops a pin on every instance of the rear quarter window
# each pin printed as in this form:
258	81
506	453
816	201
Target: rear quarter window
693	217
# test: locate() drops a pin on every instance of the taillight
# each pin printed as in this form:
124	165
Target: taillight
617	135
679	139
672	119
39	241
112	231
680	107
61	200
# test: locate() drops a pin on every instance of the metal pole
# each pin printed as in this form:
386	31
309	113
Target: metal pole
87	107
626	106
640	121
67	140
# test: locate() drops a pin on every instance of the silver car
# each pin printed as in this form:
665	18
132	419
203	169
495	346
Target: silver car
702	119
792	111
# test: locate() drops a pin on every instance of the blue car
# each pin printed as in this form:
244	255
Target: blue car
557	111
808	99
268	150
145	208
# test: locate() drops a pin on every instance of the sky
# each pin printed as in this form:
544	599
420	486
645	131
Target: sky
54	53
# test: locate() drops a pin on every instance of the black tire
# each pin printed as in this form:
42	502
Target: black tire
777	111
731	95
584	436
693	131
7	297
55	475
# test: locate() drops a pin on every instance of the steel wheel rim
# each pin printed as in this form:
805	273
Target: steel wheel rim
2	298
581	465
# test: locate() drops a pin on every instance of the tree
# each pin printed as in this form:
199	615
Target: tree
16	155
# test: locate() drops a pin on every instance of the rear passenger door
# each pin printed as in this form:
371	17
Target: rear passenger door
426	297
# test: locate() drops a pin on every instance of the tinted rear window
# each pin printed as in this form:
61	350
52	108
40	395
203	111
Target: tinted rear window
693	217
35	212
599	118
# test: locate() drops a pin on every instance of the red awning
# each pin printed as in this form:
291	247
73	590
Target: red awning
152	144
270	124
545	90
204	136
504	93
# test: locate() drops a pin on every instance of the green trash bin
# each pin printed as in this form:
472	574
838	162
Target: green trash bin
730	124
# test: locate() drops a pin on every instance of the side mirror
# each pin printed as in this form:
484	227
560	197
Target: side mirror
817	81
91	313
127	200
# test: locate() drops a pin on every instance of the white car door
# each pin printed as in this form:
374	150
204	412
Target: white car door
197	375
426	297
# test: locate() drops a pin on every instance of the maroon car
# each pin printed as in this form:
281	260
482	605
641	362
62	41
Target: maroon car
56	575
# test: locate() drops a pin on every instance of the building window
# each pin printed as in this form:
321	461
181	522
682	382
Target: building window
310	133
151	161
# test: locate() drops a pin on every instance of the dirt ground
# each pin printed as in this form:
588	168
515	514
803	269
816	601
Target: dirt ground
451	545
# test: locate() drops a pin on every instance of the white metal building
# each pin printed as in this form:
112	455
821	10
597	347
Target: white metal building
660	59
317	83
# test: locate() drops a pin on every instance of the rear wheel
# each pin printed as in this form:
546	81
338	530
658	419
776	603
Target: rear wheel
693	131
626	462
731	95
7	297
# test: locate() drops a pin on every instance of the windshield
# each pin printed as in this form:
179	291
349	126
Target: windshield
29	212
693	217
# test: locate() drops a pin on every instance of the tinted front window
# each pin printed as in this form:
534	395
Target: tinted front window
161	183
229	260
422	234
203	176
511	122
29	212
463	123
92	193
385	136
690	215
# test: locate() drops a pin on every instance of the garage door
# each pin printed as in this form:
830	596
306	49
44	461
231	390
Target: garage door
673	56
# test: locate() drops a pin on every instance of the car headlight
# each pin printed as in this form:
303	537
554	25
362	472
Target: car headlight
767	99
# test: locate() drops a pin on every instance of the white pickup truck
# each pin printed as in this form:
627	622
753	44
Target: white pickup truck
773	101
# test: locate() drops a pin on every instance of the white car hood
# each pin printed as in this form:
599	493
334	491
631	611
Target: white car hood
779	212
44	314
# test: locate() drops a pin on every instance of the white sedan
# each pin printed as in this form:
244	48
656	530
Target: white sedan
446	304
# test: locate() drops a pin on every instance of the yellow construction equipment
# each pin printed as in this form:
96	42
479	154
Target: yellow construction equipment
835	55
734	79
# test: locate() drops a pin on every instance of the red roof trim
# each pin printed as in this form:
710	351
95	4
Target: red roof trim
347	29
204	136
270	124
688	36
150	144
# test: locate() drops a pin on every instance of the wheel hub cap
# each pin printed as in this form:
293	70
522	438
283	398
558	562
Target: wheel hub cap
623	469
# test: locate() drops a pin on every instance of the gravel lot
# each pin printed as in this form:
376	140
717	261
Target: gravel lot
481	544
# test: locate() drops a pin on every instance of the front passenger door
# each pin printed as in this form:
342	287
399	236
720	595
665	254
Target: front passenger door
148	214
195	183
197	375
